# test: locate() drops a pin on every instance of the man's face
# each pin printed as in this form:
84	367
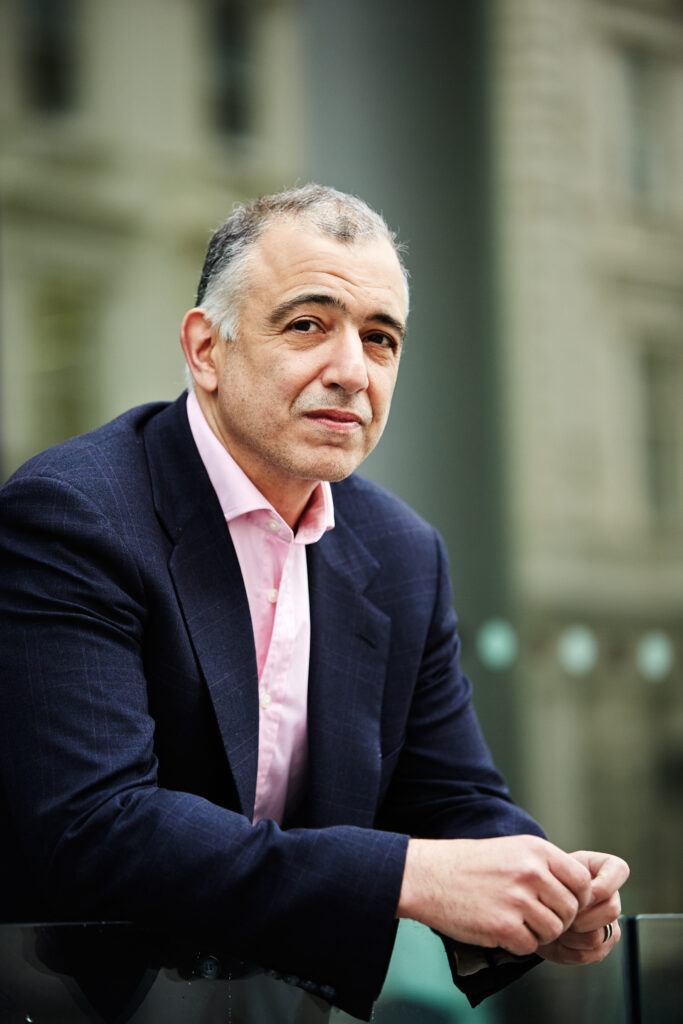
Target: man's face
303	391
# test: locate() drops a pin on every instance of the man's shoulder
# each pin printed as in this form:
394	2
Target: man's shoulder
98	454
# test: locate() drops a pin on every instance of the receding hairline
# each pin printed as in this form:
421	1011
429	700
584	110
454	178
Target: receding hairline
303	222
339	216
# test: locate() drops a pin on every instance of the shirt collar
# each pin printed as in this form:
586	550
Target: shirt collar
239	496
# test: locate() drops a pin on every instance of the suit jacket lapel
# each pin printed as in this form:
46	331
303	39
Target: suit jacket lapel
208	582
349	635
349	650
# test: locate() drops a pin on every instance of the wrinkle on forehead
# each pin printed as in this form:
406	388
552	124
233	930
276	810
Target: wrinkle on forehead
288	256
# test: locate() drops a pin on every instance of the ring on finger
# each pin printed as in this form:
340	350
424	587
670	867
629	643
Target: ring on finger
608	932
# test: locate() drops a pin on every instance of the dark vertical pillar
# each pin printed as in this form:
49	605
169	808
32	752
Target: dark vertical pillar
399	115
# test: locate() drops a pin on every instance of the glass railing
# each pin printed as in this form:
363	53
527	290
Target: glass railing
113	973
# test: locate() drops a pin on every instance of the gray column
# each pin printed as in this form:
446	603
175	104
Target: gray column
399	115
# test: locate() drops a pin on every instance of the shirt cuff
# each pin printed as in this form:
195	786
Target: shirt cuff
471	959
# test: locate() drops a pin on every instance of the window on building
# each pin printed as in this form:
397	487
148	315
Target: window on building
63	354
647	125
48	51
662	376
230	82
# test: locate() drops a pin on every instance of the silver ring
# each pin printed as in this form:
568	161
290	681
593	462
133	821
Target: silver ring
608	932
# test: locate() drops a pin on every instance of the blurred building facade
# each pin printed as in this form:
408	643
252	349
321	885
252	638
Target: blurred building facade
589	135
129	129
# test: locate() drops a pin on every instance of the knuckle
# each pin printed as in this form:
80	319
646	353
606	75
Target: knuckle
570	909
515	938
527	944
507	931
552	930
625	869
520	901
614	904
530	871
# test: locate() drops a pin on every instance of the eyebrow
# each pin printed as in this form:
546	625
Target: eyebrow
322	299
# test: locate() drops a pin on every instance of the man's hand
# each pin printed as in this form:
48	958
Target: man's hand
517	892
584	941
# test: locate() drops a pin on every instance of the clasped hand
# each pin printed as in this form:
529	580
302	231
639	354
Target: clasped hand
587	939
520	893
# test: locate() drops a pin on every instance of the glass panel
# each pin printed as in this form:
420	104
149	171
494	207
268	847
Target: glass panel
86	973
660	953
83	973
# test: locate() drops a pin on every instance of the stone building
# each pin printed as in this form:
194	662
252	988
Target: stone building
128	131
589	144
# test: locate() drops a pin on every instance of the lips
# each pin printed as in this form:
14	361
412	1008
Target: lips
338	423
337	415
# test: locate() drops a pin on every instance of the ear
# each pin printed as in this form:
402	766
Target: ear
198	340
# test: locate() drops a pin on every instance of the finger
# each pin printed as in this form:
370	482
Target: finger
520	941
608	872
572	873
543	922
561	953
579	957
558	899
599	915
587	940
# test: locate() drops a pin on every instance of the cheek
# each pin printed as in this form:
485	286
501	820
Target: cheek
382	392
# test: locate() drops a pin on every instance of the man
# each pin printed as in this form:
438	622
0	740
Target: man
230	680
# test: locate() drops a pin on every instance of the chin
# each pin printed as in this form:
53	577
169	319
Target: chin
333	470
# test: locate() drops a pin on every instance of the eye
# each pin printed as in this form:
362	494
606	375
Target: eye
304	326
382	339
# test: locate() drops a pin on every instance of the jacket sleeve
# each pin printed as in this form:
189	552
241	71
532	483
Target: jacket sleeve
446	784
96	836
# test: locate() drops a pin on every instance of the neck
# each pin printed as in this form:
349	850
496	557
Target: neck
289	508
289	496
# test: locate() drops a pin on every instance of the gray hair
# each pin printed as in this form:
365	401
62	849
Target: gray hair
224	274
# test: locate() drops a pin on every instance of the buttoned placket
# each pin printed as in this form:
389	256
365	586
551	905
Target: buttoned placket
273	681
276	687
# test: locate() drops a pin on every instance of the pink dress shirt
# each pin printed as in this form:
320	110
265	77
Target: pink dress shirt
273	563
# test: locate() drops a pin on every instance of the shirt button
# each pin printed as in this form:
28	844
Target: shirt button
272	595
266	701
273	525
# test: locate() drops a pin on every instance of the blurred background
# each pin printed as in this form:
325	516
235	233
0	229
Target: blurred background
530	154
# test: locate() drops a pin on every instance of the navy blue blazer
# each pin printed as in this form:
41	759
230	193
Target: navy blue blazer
129	713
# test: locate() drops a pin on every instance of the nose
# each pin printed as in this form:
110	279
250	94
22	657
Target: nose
346	367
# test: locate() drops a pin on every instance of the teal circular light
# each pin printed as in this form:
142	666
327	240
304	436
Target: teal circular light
577	650
496	644
654	655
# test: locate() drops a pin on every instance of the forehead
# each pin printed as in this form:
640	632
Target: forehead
291	256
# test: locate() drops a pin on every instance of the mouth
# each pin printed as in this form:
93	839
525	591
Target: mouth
339	420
